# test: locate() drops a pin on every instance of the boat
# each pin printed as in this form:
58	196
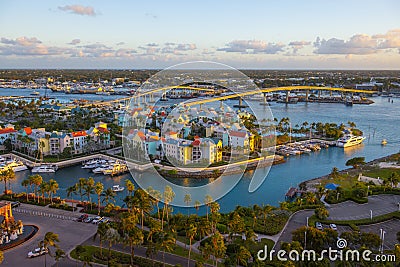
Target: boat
116	168
44	168
35	93
92	164
102	168
15	165
117	188
349	140
384	142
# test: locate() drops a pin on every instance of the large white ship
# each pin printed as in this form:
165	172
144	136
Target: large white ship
349	140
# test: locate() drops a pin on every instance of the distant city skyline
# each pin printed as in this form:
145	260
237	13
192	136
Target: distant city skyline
251	34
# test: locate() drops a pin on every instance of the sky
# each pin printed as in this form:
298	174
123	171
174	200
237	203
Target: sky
252	34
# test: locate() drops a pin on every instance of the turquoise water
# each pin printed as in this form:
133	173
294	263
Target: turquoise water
377	121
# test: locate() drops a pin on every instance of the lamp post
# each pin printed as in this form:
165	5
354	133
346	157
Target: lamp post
305	235
371	214
383	239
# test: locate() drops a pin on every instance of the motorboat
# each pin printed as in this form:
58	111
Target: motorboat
15	165
117	188
102	168
44	168
384	142
349	140
116	168
35	93
92	164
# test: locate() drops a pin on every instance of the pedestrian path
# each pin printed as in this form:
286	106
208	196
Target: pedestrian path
43	214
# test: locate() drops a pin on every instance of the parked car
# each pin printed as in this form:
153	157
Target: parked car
15	204
88	219
104	220
82	218
37	252
318	225
97	219
333	226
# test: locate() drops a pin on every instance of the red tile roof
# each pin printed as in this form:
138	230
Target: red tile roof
7	130
237	134
102	129
196	142
79	134
28	130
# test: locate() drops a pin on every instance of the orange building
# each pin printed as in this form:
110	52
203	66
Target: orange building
6	212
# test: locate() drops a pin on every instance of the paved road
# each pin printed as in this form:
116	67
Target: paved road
380	204
70	233
391	228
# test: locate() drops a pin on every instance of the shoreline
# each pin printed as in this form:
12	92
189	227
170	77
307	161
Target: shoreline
308	184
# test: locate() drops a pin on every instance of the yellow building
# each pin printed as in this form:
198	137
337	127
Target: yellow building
218	150
251	142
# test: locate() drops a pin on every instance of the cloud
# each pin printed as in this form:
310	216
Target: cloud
151	15
359	44
74	42
152	44
296	45
252	47
120	43
79	10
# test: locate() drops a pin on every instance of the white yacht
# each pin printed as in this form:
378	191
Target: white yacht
349	140
102	168
45	169
92	164
117	188
15	165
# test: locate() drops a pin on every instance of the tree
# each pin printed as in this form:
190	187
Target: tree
141	201
207	200
109	195
25	183
165	242
101	232
72	191
169	196
89	187
43	188
132	235
6	176
112	236
129	186
187	198
242	256
80	187
98	189
218	247
52	188
322	213
334	172
236	224
59	254
355	162
191	232
266	209
50	240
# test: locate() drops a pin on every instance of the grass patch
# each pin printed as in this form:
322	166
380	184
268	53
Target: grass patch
381	173
92	254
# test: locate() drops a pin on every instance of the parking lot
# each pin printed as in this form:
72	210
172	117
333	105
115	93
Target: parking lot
391	228
71	233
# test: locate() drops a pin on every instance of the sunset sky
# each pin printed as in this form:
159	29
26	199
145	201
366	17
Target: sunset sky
157	34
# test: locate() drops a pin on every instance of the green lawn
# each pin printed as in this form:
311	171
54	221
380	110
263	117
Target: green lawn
382	173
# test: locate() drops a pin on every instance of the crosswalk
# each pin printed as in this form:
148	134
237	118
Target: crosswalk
43	214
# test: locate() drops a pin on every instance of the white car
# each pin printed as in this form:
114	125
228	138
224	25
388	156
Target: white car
97	219
333	226
37	252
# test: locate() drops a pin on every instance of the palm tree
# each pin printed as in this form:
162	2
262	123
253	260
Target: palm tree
112	236
191	233
52	189
168	197
242	256
155	197
98	189
266	209
36	181
58	255
166	242
187	198
101	232
72	191
129	186
80	186
25	183
7	176
109	195
43	188
50	240
133	236
197	205
89	187
141	201
207	200
218	246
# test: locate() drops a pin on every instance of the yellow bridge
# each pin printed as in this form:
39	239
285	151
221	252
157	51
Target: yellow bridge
239	95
